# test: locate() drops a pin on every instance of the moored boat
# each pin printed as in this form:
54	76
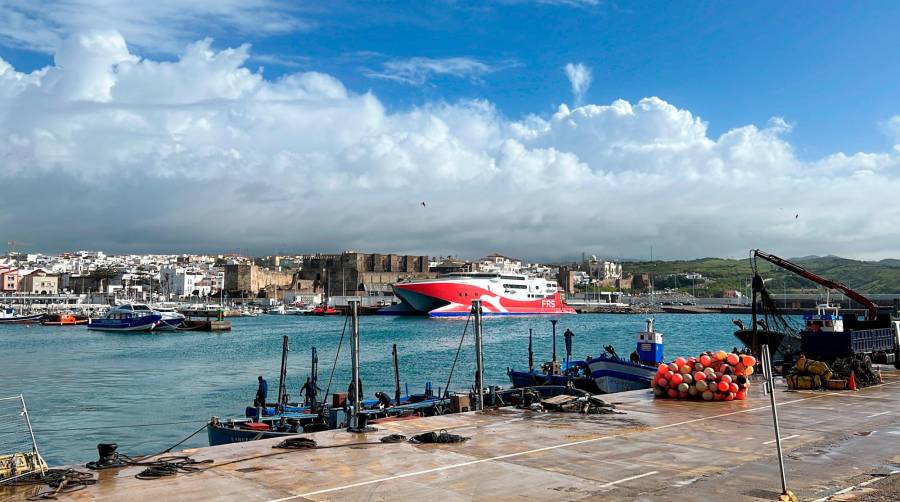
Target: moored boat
129	317
500	294
64	320
615	374
12	316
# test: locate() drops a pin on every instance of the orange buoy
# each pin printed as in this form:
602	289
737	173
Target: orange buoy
733	387
721	355
698	366
662	382
673	393
669	375
705	360
732	359
673	367
676	379
699	376
748	371
662	369
741	396
680	361
723	386
739	368
702	386
748	360
725	378
729	396
684	369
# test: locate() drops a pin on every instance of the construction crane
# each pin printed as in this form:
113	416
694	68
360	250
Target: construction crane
11	246
871	308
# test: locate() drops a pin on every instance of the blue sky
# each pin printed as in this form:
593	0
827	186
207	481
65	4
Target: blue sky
696	128
828	68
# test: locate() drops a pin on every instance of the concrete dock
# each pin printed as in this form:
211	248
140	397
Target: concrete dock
838	445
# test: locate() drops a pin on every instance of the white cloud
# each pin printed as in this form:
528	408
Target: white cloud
157	26
109	150
580	79
420	70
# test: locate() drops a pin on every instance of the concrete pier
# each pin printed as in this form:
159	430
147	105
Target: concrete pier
836	443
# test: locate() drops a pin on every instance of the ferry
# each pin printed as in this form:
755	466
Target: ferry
451	295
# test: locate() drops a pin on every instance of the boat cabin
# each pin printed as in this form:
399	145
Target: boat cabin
650	345
826	319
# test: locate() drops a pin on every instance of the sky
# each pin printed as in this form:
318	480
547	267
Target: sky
541	129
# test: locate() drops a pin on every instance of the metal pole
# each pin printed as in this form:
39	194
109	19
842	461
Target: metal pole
313	381
354	358
553	322
479	356
31	431
530	353
770	389
281	376
397	377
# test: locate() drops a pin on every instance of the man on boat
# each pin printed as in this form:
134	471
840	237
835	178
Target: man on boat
261	392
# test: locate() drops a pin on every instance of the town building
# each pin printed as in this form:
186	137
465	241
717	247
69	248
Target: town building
39	282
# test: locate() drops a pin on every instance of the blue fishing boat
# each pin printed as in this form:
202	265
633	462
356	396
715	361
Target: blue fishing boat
615	374
129	317
566	373
11	316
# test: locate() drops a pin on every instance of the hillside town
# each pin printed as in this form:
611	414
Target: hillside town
94	277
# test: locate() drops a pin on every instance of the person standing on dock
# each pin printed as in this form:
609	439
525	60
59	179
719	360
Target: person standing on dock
261	392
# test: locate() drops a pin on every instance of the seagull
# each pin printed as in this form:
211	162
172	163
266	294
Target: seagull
796	216
423	204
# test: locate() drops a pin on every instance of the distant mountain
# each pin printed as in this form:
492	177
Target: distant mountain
719	274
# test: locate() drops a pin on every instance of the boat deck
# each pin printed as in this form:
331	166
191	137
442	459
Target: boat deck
651	450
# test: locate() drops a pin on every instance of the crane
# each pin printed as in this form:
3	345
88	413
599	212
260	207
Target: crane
871	308
11	246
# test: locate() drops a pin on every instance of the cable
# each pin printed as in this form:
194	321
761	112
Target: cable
458	349
336	354
114	426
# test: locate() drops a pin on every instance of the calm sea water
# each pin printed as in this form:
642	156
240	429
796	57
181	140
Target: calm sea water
84	387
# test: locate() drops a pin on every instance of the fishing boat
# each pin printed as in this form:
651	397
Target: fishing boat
501	294
12	316
615	374
64	319
566	373
128	317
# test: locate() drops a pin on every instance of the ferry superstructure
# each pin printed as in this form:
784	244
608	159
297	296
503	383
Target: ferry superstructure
451	295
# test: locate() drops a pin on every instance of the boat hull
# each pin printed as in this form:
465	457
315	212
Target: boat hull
616	375
219	434
25	319
453	298
144	323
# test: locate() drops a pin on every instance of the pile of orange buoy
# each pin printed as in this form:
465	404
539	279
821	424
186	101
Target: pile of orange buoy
712	376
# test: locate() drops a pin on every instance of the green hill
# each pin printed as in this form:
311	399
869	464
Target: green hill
872	277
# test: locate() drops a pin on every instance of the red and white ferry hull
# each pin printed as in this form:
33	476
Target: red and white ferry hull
453	298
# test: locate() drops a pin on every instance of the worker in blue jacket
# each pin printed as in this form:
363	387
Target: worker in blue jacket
261	392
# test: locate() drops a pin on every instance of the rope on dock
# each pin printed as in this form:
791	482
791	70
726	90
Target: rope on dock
60	480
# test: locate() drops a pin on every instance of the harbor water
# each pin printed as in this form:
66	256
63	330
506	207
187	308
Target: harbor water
148	391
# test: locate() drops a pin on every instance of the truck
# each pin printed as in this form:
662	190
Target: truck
829	334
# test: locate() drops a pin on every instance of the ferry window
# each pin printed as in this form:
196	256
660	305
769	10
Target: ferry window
515	286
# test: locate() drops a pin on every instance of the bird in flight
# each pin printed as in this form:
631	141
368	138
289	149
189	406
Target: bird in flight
796	216
423	204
